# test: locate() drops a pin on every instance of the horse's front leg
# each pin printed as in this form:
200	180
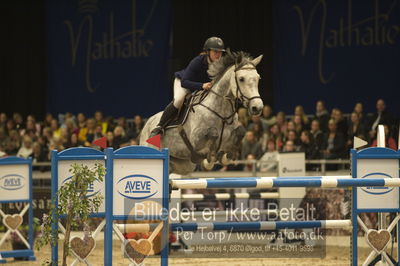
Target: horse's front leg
231	146
207	144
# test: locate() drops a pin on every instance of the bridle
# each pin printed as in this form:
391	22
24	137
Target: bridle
234	103
243	98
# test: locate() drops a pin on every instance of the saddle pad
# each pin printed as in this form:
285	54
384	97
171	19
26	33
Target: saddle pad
181	118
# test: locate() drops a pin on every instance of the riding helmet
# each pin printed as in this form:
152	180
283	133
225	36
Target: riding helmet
214	43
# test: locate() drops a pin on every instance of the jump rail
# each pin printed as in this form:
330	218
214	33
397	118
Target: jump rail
284	182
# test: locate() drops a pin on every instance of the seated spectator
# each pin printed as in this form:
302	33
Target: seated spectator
98	133
291	126
39	156
110	123
249	165
292	136
322	115
10	126
47	120
120	139
390	142
317	134
86	134
19	121
71	126
81	120
26	149
3	120
308	146
381	117
267	117
64	136
275	135
256	119
31	129
299	110
281	122
334	142
98	117
73	142
289	146
356	129
341	122
268	161
55	128
134	131
56	144
12	143
250	146
259	133
298	124
110	140
358	109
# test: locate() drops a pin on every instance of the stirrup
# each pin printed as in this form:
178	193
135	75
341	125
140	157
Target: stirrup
157	130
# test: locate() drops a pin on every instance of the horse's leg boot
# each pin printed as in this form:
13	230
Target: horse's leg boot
168	114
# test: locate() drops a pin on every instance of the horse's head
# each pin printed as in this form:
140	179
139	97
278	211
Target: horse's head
235	74
244	84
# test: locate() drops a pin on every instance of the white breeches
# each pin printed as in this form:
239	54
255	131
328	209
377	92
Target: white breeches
179	93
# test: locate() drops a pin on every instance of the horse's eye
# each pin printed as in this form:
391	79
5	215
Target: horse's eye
241	79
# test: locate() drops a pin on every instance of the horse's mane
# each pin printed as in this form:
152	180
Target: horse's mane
217	69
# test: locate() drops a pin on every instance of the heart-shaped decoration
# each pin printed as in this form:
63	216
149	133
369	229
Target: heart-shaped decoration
378	240
12	221
137	251
82	248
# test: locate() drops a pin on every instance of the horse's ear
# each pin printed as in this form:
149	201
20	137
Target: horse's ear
257	60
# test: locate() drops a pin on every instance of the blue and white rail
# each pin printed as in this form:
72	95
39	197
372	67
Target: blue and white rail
284	182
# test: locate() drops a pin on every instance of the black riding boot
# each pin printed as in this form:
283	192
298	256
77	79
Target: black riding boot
168	114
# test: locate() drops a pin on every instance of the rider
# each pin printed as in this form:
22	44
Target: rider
193	77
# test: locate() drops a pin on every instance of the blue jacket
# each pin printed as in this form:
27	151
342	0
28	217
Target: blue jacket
195	74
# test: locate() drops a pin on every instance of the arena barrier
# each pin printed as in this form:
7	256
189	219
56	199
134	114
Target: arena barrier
140	175
16	187
60	165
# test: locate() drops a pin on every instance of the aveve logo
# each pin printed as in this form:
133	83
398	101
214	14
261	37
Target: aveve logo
137	187
12	182
91	191
377	190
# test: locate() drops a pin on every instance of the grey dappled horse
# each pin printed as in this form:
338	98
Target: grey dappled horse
213	129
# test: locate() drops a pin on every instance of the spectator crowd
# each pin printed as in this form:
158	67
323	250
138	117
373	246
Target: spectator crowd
323	135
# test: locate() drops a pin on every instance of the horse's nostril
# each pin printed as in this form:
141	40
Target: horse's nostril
254	110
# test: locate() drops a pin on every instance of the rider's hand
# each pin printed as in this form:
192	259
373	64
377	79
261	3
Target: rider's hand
207	86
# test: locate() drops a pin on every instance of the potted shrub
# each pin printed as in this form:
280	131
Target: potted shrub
74	203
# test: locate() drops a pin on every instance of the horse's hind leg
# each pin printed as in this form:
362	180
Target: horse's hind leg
212	144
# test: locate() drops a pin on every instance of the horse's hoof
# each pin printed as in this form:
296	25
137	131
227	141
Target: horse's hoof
207	165
225	160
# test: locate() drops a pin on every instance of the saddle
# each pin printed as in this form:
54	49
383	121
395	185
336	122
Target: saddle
191	100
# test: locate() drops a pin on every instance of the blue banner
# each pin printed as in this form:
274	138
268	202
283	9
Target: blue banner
108	55
340	51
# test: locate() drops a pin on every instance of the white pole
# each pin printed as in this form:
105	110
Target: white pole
381	137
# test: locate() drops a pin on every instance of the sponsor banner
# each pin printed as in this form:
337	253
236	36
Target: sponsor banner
137	181
64	175
292	165
108	55
14	182
377	197
338	51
